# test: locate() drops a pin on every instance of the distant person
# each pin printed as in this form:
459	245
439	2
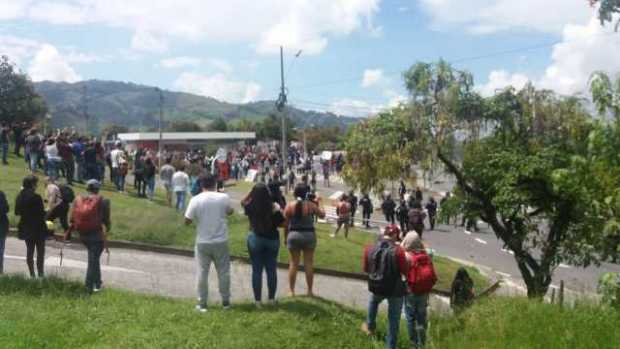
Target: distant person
300	235
326	174
180	186
33	146
421	278
462	291
416	218
367	209
431	209
90	217
388	207
402	214
445	214
4	227
386	266
313	180
353	201
116	156
90	161
263	240
59	198
418	195
31	227
291	180
149	178
165	175
209	210
53	160
402	189
4	142
138	173
68	160
343	211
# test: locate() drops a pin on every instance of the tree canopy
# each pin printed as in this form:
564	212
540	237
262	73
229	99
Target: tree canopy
18	100
607	10
535	166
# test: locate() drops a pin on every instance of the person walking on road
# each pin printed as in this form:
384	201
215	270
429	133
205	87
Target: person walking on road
209	210
90	217
343	211
431	209
367	209
31	227
4	227
388	207
165	175
300	235
263	240
402	213
386	265
180	186
421	278
418	195
416	218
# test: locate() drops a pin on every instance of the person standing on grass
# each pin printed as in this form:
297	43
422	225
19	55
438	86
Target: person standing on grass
31	227
416	218
149	178
353	202
431	208
343	211
300	235
165	175
209	210
115	161
180	186
4	142
367	209
4	227
388	207
421	278
90	217
33	143
138	172
385	264
263	240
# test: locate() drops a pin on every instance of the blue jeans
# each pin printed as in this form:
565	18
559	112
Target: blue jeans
34	160
395	308
150	187
415	313
180	200
264	255
52	168
93	271
5	151
2	245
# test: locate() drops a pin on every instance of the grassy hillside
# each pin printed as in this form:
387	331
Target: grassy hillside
137	106
53	313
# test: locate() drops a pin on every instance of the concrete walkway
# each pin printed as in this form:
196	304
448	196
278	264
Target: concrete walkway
174	276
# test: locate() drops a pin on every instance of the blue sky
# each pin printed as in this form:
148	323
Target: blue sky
353	51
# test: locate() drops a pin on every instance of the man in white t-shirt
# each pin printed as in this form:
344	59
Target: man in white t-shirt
209	210
180	186
115	159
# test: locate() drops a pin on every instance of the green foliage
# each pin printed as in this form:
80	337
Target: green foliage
183	126
18	100
218	125
607	10
608	286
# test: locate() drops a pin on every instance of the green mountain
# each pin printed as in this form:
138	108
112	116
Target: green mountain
137	107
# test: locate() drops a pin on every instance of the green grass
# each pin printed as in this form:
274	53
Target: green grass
53	313
519	323
135	219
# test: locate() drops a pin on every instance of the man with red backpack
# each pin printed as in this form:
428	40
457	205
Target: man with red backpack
421	278
386	265
90	214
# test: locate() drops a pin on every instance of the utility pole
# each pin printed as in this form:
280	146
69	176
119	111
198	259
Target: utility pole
85	107
281	106
161	118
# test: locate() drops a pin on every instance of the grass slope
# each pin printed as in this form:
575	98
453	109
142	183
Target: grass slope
135	219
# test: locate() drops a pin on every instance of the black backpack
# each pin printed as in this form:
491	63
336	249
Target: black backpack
462	290
384	277
67	194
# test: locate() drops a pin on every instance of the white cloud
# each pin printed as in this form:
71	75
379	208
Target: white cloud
18	49
220	65
49	65
180	62
218	86
372	77
148	42
488	16
266	24
354	108
500	79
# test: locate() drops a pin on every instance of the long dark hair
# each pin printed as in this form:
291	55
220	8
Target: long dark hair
301	190
261	207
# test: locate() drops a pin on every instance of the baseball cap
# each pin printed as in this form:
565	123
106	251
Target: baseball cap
93	184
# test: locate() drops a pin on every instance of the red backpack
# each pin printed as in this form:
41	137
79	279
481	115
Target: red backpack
421	276
86	216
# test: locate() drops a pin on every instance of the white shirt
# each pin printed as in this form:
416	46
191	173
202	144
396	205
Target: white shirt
209	210
115	156
51	151
180	181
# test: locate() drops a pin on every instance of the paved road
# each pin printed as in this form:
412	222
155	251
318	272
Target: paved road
174	276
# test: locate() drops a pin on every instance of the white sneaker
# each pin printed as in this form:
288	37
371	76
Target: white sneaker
332	235
201	308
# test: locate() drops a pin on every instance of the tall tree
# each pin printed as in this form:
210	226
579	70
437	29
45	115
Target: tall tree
535	175
218	125
607	10
18	99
